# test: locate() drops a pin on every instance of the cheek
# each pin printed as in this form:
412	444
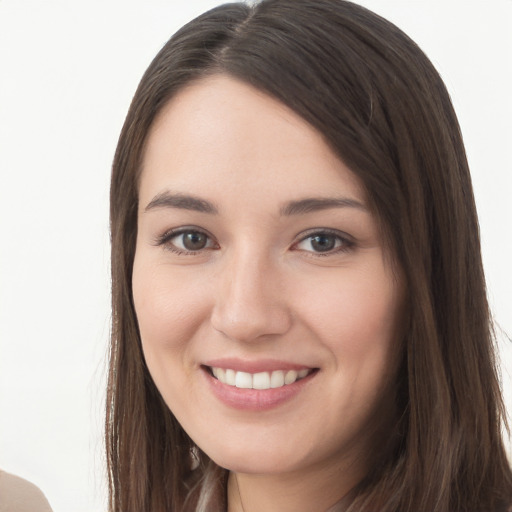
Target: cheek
358	318
168	313
370	319
359	323
365	304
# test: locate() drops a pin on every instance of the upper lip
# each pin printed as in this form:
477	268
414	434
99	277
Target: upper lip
256	366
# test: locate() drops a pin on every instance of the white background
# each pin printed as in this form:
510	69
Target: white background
68	70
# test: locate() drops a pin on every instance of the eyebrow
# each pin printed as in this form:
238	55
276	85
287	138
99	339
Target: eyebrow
302	206
314	204
185	202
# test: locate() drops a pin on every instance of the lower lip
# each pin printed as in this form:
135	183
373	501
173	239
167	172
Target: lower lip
255	399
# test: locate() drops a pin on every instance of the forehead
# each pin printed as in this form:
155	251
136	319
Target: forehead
220	135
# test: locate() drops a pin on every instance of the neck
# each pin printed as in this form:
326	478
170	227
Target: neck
319	490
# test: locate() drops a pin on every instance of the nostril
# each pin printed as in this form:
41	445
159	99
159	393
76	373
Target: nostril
251	324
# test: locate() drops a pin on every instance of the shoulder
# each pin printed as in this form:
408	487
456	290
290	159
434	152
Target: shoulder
19	495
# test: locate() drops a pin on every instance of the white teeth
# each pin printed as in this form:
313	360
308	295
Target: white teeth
221	374
230	377
261	380
277	379
243	380
290	377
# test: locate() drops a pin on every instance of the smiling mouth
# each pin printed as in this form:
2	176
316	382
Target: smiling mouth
260	380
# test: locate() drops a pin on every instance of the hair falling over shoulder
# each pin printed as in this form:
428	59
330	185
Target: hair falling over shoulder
382	107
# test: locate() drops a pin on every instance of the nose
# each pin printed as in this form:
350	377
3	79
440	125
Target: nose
251	302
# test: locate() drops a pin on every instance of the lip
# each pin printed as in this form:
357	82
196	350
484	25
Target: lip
254	399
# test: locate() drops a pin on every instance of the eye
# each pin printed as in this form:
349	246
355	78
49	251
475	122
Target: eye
186	241
325	242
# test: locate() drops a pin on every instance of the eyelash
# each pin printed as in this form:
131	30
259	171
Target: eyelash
165	240
344	241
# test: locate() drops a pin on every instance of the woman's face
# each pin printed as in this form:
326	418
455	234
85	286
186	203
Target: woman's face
267	309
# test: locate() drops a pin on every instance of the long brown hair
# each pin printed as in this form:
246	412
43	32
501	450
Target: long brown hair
383	108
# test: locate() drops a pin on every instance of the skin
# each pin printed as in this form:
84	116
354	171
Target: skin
260	288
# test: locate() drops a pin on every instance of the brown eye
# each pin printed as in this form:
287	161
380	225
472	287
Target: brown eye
194	240
184	241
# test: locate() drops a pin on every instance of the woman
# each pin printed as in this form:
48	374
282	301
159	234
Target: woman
299	310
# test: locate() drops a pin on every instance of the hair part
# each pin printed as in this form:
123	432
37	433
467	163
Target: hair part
383	109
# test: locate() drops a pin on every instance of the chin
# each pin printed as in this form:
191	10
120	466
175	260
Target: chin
252	463
253	459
